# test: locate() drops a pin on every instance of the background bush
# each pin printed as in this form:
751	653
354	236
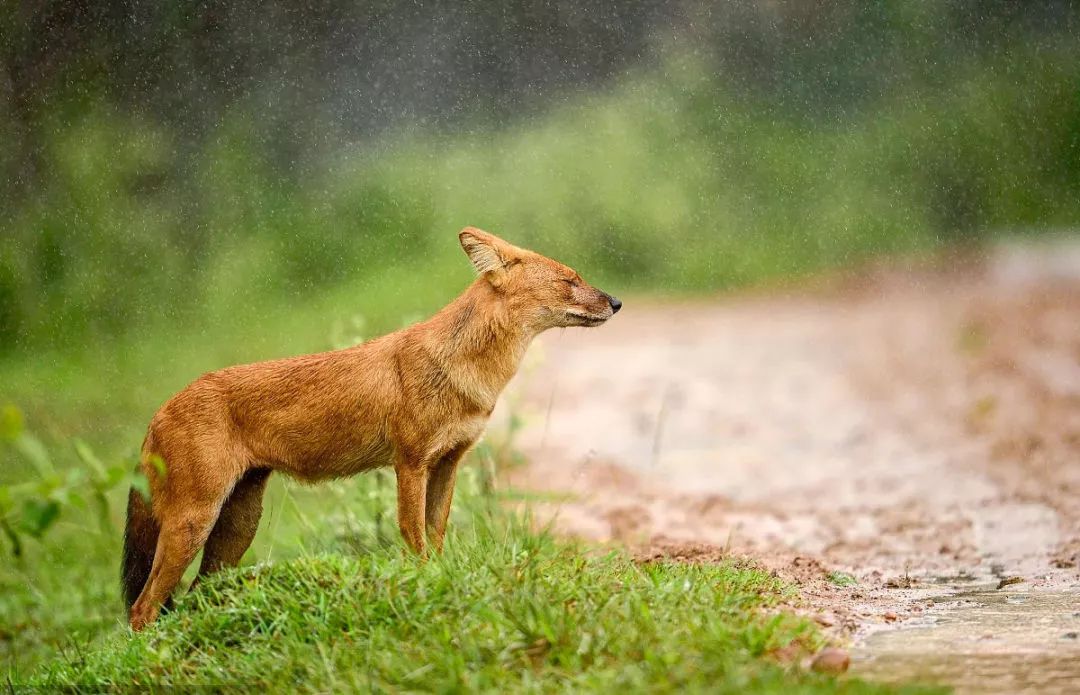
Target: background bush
165	166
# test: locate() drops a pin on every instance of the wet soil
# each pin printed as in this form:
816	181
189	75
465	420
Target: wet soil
984	640
883	438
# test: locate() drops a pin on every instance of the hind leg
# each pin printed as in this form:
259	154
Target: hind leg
183	533
236	524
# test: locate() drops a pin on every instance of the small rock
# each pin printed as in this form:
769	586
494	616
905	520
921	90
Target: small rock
1008	581
832	661
824	620
1071	635
889	616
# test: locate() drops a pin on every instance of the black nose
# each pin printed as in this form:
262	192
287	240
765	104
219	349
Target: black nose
615	304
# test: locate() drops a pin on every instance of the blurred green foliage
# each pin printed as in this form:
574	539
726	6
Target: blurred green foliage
31	506
655	184
759	141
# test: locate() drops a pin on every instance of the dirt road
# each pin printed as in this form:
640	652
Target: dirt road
916	428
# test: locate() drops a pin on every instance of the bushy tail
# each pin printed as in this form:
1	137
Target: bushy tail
140	539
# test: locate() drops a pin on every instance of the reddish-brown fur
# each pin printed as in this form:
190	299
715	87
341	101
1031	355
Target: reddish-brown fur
416	399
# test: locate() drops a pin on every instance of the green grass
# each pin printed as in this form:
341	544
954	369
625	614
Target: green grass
842	579
335	603
504	610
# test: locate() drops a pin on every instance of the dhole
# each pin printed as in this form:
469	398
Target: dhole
416	399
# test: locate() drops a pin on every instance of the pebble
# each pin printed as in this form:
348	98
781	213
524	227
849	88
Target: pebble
832	661
824	620
889	616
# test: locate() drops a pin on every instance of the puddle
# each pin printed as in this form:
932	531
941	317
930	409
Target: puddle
984	641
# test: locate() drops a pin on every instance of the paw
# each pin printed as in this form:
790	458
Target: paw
141	616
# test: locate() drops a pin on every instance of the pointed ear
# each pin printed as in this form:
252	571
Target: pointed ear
486	251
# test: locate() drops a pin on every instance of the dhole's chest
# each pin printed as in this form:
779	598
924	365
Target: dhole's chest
455	434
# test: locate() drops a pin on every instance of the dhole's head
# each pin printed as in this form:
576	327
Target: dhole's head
541	292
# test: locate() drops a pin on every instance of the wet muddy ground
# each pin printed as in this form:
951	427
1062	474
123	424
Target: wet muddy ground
891	439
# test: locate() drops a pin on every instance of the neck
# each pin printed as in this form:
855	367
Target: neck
477	343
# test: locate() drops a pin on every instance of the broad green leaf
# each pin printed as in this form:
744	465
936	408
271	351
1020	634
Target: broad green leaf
141	484
115	475
38	516
159	464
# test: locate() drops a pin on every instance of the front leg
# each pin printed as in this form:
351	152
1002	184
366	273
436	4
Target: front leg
411	502
440	492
